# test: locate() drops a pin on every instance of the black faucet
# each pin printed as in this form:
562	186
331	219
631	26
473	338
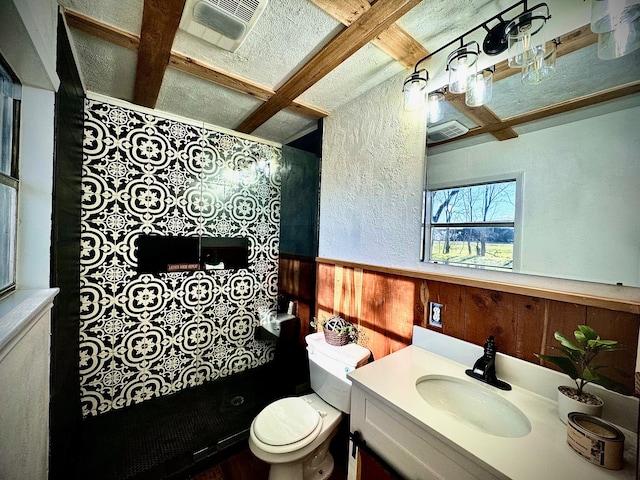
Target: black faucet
485	367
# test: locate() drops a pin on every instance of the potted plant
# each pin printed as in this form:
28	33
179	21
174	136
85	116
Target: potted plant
577	362
337	331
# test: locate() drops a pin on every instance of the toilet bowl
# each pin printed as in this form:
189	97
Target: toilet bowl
293	434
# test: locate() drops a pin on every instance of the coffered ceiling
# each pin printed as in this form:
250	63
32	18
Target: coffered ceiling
306	58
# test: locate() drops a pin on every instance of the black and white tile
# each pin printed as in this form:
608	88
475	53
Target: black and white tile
141	335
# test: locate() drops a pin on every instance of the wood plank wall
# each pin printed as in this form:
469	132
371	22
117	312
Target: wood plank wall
297	282
386	306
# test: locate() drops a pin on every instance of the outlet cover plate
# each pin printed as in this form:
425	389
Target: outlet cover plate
435	314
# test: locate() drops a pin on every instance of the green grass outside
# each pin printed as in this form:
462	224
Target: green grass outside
497	254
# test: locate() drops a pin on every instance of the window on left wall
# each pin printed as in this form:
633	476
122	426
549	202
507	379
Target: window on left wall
10	94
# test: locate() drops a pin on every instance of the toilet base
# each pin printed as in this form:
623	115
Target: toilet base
314	468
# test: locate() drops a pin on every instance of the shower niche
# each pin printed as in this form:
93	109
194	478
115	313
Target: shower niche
162	254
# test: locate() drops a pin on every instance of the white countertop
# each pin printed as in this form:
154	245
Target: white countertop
541	454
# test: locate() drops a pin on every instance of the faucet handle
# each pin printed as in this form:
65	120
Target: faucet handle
490	347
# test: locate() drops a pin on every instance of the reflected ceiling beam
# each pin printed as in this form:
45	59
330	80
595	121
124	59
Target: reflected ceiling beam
486	118
482	116
570	42
563	107
186	64
369	25
394	41
160	20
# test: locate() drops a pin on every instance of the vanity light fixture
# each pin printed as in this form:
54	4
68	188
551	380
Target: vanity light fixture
479	88
543	66
523	48
415	90
617	23
436	101
462	62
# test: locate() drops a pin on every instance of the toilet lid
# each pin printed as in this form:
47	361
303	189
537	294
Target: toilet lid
286	421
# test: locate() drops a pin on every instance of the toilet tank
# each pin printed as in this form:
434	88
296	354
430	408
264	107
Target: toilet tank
328	368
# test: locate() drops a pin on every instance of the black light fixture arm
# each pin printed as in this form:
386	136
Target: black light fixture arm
498	16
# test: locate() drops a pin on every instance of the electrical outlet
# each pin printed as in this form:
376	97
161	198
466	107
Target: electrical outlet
435	314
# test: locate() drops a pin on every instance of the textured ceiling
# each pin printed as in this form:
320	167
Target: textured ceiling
287	36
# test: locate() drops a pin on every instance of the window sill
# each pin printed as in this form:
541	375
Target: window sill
19	311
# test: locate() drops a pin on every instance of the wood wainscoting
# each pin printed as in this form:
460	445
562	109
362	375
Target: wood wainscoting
297	282
386	304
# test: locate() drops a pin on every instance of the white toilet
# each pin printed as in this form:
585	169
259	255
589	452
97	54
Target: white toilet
293	434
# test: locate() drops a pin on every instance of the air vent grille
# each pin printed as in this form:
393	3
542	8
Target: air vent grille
445	131
243	9
224	23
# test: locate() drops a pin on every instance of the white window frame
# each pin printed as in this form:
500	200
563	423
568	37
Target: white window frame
425	251
10	179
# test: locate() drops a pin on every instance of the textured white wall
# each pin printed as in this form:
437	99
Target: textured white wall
372	180
24	406
581	194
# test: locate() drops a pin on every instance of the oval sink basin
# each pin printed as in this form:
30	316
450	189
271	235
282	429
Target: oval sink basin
473	405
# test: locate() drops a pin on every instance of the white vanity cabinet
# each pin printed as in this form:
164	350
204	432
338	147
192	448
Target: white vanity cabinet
422	438
408	448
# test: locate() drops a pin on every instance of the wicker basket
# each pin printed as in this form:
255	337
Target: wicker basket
335	338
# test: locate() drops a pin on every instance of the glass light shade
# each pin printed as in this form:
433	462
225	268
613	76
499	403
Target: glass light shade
461	63
415	92
607	15
624	39
479	88
521	44
436	112
543	66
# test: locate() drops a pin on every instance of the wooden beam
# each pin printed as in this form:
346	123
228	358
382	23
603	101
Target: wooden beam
160	20
483	116
184	63
395	41
234	82
370	24
101	30
569	42
563	107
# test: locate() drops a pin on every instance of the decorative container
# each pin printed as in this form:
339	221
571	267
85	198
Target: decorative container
566	404
335	338
595	440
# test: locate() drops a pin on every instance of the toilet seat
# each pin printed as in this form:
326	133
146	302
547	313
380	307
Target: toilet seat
286	425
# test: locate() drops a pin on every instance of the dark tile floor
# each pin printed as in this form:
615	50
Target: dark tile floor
172	437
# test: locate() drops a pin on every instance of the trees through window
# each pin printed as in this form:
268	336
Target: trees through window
472	225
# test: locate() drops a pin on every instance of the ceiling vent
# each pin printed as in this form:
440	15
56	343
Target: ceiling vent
224	23
445	131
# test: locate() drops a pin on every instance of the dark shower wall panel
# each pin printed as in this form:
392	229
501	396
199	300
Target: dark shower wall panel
143	335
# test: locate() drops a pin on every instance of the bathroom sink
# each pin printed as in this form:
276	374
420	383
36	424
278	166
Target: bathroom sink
474	405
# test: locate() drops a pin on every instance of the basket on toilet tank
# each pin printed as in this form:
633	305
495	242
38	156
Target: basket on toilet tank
328	368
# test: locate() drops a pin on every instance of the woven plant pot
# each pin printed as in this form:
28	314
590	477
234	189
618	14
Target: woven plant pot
335	338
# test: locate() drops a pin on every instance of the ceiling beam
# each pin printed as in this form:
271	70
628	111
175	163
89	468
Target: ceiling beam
370	24
160	20
484	117
186	64
394	41
239	84
569	43
563	107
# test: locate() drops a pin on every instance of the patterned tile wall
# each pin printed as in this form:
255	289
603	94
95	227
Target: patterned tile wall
142	336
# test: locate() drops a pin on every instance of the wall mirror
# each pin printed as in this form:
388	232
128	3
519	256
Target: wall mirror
574	140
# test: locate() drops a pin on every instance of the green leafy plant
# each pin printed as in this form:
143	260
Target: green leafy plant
578	357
